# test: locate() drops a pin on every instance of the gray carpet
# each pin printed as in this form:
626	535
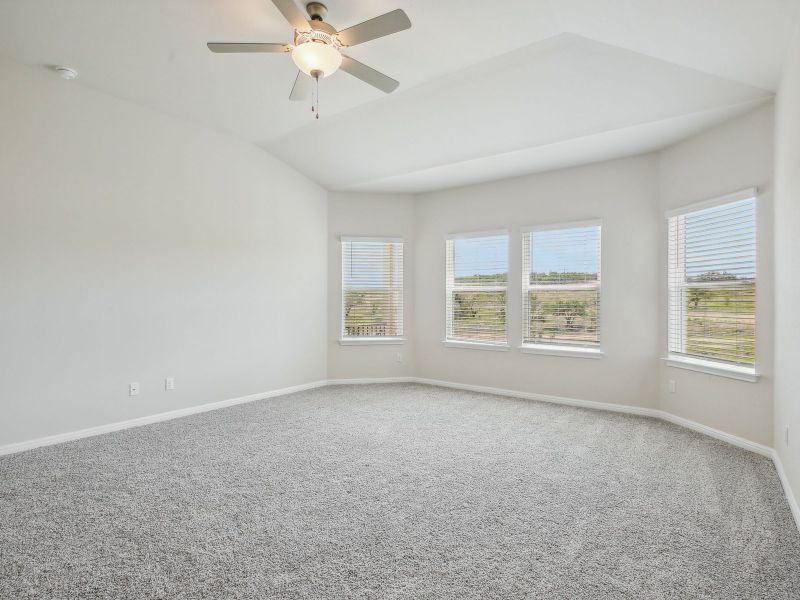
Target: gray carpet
396	491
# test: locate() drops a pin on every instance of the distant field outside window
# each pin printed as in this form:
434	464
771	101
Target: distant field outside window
477	280
372	288
712	283
561	285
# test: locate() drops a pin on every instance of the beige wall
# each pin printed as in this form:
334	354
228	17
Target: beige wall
728	158
623	194
135	247
787	268
369	215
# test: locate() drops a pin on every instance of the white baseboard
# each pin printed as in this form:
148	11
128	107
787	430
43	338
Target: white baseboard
787	489
367	380
621	408
716	433
634	410
146	420
191	410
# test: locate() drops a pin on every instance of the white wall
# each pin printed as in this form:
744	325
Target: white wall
727	158
369	215
624	195
135	247
630	196
787	267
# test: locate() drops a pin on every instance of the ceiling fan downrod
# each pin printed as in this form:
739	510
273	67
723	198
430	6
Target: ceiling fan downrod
317	11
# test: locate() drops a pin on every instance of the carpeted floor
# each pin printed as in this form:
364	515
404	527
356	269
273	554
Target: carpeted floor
396	491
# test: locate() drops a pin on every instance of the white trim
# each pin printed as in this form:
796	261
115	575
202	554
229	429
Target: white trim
787	489
148	419
382	240
556	350
623	408
735	440
620	408
371	380
504	347
745	194
567	225
371	341
477	234
191	410
713	368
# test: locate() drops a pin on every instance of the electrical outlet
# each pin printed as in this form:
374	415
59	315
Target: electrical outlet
673	386
133	388
169	383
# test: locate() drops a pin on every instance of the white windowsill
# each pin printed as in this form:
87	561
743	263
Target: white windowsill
372	341
476	345
554	350
713	368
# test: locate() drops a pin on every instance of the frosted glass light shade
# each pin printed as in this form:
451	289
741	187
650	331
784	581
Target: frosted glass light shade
315	56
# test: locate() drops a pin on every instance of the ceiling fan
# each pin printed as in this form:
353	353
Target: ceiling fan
317	47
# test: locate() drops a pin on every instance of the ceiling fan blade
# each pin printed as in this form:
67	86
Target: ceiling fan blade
292	13
224	47
369	75
391	22
301	90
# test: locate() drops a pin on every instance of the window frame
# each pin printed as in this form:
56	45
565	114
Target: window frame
700	364
451	342
591	351
345	340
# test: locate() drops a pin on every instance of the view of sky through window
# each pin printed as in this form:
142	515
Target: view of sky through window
577	255
480	256
712	237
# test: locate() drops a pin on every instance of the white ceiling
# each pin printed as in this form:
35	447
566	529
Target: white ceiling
488	89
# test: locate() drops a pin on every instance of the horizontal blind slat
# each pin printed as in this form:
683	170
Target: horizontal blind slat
561	286
372	288
712	283
477	279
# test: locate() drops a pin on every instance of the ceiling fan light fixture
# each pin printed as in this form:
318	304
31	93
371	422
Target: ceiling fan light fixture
317	47
315	56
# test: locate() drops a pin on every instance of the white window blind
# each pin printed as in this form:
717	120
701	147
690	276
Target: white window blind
372	288
477	282
712	282
561	285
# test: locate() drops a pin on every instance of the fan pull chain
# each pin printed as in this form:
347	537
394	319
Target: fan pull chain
315	92
317	103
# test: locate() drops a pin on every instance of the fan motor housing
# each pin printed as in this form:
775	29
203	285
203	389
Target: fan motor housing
321	33
317	11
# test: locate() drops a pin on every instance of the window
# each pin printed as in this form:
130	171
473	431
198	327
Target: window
712	281
477	281
372	290
561	285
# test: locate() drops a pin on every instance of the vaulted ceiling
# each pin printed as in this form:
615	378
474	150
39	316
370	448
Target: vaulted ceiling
488	89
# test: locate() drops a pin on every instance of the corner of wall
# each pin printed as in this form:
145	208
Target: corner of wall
731	156
787	266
